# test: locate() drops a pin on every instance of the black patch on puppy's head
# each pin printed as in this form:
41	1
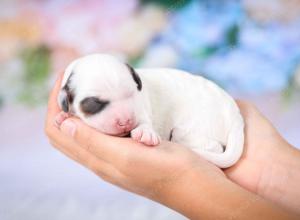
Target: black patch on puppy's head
68	98
92	105
135	77
65	105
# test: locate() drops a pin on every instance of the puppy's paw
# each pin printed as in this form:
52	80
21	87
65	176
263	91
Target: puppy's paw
60	117
145	135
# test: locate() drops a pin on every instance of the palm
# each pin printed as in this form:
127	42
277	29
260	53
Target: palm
261	140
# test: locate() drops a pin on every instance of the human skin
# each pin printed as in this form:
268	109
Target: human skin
269	166
175	176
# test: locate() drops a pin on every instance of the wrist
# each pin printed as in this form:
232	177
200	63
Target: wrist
280	178
206	194
193	194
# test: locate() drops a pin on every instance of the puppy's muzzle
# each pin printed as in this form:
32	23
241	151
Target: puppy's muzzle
125	125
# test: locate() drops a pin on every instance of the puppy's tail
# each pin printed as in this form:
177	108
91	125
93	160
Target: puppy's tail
234	148
235	145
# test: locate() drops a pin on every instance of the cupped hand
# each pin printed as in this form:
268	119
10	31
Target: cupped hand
263	144
174	175
148	171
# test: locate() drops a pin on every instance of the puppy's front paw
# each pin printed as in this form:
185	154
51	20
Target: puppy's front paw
145	135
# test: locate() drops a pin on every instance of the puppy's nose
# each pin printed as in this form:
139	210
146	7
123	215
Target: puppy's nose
124	123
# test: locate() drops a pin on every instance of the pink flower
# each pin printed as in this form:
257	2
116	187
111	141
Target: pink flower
86	26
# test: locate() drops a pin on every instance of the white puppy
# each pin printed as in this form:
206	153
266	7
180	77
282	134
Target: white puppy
154	104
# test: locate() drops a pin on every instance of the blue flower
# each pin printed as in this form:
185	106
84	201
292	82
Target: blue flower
244	70
257	58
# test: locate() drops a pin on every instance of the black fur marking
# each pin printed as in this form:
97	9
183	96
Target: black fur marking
65	105
224	148
128	135
135	77
171	135
92	105
68	100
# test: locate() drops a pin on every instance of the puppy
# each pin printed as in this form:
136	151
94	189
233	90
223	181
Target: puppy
154	104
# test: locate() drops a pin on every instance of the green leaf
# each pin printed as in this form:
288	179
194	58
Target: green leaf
205	52
168	4
232	35
37	65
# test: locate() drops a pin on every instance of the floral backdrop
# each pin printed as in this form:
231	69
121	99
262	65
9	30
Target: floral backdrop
248	46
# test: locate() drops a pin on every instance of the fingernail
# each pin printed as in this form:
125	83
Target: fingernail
58	120
68	127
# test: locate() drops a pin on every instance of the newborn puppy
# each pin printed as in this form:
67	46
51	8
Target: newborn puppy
154	104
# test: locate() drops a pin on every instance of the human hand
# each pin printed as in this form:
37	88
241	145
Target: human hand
268	161
148	171
170	174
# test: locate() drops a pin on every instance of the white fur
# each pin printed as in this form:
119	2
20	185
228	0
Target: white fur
199	114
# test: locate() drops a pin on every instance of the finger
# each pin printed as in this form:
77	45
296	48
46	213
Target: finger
249	112
111	149
245	107
53	107
99	167
69	147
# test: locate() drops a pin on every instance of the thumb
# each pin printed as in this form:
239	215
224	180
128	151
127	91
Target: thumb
82	133
103	146
68	127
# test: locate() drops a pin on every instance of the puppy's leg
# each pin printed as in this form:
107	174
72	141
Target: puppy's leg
200	143
145	134
213	146
206	144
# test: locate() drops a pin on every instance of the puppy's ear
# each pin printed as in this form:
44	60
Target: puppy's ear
66	96
135	77
63	100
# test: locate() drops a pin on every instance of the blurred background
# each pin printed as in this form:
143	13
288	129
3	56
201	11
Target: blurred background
251	48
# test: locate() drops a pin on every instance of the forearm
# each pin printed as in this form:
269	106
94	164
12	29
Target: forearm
207	196
280	182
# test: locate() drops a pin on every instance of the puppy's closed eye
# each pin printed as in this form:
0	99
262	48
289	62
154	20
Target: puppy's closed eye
92	105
